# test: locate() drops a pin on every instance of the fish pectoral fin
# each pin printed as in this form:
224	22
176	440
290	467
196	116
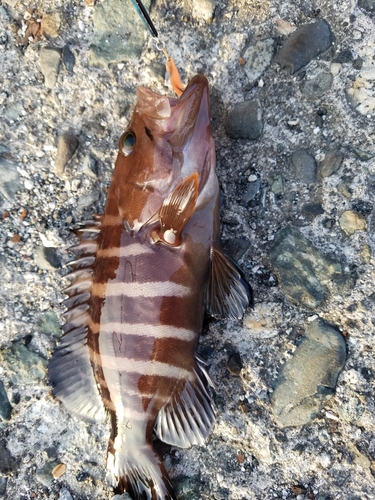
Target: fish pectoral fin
176	211
188	417
227	292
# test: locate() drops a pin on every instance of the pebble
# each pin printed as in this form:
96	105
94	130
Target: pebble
47	258
49	324
257	58
368	5
10	181
362	154
317	86
236	247
245	120
112	19
306	43
3	485
303	270
68	58
331	163
313	209
124	496
262	322
50	59
65	495
352	221
23	366
307	380
304	166
250	193
44	474
277	184
203	9
351	409
365	254
361	95
7	462
14	111
66	147
234	364
5	406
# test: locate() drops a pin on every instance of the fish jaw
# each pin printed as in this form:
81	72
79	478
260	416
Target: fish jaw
172	141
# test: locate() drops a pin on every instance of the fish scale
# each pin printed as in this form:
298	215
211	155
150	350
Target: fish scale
145	273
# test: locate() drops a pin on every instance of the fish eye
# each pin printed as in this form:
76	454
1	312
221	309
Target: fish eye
127	143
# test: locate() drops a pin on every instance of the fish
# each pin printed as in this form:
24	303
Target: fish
145	274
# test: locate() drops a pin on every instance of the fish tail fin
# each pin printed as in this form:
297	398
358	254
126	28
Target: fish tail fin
137	470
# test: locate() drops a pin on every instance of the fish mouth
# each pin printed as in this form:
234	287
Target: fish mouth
166	115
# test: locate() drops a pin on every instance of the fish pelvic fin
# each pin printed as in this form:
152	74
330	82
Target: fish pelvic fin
137	469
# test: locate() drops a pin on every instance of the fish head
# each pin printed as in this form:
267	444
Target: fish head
167	140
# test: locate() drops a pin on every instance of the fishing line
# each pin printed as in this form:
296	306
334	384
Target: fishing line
143	14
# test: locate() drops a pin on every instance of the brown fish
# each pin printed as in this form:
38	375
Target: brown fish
144	275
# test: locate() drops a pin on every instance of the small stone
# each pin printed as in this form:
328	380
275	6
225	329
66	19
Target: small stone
324	460
119	33
82	476
203	9
351	221
50	59
66	147
49	324
345	56
124	496
250	193
23	366
90	166
68	58
262	322
10	181
307	381
304	166
5	406
47	258
284	27
362	154
7	462
351	409
304	272
236	247
366	254
58	471
345	190
317	86
245	120
50	24
44	474
306	43
331	163
368	5
277	184
361	95
3	480
257	58
65	494
14	111
313	209
234	364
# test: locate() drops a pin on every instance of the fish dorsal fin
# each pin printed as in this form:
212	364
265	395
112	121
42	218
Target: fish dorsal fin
227	292
70	371
188	417
176	211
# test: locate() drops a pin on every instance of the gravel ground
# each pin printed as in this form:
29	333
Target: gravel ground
303	159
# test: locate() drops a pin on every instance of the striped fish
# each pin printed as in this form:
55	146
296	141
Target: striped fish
145	273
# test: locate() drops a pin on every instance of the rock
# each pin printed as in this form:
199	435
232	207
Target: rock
304	272
3	485
7	462
44	474
365	254
313	209
236	247
306	43
307	381
23	366
49	324
352	221
9	178
234	364
345	190
361	95
245	120
362	154
66	147
203	9
303	166
119	33
186	487
351	409
317	86
5	406
14	111
257	58
331	163
47	258
124	496
50	59
65	495
262	322
251	191
58	471
51	24
368	5
68	58
277	184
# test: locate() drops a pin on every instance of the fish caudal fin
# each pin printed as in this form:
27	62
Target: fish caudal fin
139	471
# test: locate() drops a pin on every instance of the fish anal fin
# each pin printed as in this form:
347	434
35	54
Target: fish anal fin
227	292
176	211
188	417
